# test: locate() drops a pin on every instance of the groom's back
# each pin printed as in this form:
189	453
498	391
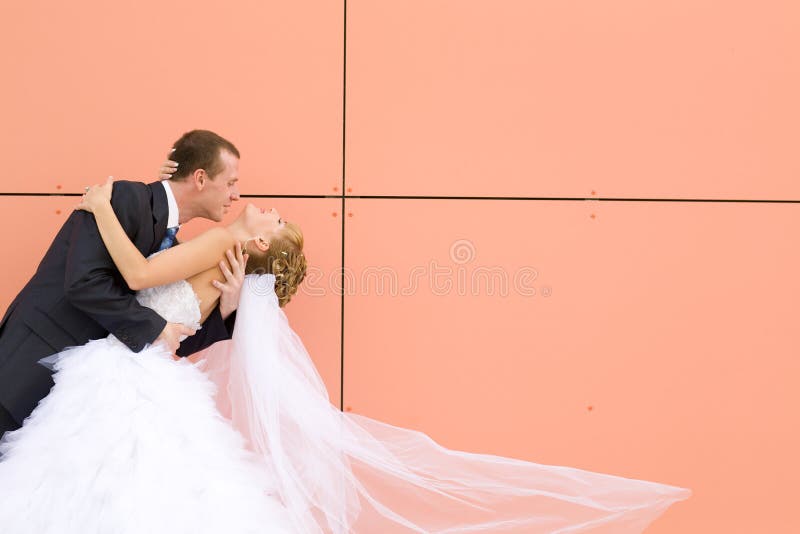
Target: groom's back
48	288
42	303
42	319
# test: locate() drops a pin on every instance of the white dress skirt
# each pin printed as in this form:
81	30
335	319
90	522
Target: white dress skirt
133	443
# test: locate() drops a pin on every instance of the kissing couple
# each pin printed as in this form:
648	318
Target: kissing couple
107	428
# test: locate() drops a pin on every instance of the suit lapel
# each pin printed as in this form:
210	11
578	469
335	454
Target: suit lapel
160	214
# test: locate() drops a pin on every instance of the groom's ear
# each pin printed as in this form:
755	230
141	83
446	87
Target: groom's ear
199	179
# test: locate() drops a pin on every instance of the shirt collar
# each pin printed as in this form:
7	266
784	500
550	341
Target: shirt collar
172	206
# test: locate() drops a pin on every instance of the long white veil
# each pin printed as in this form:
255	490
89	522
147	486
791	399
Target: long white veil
346	473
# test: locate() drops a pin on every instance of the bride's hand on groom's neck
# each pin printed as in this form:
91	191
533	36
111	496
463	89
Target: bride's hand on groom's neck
168	168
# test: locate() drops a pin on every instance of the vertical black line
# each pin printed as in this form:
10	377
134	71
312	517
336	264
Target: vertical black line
344	185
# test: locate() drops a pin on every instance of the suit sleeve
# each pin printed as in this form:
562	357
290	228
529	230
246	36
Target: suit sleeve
93	284
213	330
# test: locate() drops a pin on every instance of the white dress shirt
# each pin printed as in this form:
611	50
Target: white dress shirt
172	206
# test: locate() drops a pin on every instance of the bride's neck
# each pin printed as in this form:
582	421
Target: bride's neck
239	231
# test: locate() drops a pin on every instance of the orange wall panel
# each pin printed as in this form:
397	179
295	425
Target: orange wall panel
628	99
656	343
97	88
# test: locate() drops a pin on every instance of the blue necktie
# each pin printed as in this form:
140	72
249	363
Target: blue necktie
169	238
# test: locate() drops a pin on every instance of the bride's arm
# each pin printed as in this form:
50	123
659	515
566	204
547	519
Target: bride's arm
177	263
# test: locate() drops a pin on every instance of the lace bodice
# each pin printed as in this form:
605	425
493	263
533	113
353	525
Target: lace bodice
175	302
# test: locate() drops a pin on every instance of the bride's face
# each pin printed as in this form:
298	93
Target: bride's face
262	222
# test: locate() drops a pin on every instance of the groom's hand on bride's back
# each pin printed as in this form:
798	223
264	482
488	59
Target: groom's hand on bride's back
171	335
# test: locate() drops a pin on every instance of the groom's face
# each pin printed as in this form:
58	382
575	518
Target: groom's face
222	190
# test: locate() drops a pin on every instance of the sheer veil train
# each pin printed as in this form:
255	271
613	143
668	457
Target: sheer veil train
346	473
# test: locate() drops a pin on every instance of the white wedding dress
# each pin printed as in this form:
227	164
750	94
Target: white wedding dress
134	443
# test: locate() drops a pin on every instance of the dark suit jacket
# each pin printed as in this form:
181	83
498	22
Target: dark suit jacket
77	294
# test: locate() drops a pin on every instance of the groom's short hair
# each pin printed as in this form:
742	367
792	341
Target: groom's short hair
200	149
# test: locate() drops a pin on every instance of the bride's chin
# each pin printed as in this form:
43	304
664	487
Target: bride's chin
242	213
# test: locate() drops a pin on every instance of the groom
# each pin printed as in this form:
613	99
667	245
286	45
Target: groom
77	294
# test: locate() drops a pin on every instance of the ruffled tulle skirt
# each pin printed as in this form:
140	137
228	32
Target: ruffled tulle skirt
132	443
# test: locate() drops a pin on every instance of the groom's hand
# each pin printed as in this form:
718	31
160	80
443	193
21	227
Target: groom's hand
171	335
234	278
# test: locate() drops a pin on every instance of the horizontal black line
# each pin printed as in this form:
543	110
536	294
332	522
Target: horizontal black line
412	197
605	199
41	194
291	196
242	196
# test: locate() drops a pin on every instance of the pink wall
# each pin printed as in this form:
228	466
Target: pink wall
660	339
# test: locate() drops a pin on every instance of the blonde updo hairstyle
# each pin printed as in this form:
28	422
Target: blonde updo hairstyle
284	258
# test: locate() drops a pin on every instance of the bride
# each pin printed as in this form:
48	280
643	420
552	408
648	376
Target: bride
129	442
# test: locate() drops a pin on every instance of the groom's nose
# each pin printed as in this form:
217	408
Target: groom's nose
234	193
